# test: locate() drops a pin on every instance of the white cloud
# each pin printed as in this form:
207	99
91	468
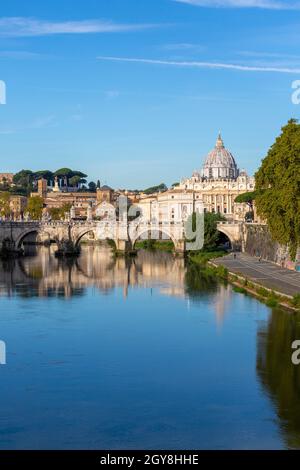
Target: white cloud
205	65
266	4
183	46
22	26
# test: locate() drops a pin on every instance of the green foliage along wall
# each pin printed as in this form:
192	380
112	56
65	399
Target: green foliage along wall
278	188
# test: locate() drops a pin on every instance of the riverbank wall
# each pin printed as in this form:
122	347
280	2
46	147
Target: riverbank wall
259	243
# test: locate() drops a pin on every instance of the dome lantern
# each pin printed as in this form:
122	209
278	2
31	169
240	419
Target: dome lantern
220	143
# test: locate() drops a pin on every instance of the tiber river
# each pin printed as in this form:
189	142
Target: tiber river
147	353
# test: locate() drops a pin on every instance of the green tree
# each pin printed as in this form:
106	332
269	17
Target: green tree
278	188
64	172
74	181
58	213
5	204
55	213
92	186
98	184
46	174
35	207
155	189
247	198
211	233
212	237
24	180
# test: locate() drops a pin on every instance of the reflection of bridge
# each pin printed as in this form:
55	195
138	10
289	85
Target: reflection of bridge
97	267
12	234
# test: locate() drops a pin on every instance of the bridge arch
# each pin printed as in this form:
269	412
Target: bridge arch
84	232
232	232
20	238
43	236
160	230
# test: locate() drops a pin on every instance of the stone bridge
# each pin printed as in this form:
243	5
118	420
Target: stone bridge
13	234
235	232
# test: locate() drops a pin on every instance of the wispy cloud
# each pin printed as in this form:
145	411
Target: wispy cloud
265	4
269	55
22	27
204	65
43	122
183	46
20	55
38	123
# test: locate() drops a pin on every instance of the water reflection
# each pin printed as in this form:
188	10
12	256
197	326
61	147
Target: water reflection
278	375
150	352
43	275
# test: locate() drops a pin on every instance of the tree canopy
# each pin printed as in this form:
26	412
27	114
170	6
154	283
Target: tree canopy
211	234
26	180
58	213
155	189
212	237
35	207
5	204
247	198
92	186
23	178
278	187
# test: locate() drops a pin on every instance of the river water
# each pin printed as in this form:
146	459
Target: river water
149	353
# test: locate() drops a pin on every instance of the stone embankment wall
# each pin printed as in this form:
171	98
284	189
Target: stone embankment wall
258	242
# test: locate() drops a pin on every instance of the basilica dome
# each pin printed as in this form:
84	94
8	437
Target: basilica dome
220	163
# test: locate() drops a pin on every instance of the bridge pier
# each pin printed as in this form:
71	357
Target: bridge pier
180	247
67	248
124	247
8	249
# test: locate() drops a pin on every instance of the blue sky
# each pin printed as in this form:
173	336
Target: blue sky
134	92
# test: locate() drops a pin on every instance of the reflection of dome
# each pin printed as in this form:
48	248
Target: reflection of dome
220	163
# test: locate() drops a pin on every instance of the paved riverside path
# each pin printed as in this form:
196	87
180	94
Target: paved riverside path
263	272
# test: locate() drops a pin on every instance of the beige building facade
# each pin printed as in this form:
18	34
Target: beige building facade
213	188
